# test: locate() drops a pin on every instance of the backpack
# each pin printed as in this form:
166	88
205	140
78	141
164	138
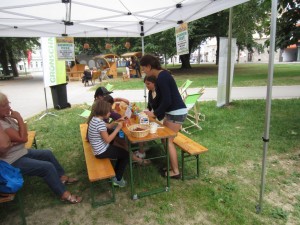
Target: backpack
11	179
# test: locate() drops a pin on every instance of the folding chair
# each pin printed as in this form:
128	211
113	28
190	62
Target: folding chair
194	116
104	75
184	87
109	87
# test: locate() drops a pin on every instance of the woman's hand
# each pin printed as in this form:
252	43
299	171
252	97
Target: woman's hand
14	114
149	113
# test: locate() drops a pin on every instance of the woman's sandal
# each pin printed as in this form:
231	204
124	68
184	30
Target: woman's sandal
69	180
73	199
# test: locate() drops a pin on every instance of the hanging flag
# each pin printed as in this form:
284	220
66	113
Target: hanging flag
29	57
182	39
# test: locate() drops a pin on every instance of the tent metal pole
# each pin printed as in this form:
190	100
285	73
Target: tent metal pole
268	102
145	89
229	57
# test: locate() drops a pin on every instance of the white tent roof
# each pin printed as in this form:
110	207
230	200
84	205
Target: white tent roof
101	18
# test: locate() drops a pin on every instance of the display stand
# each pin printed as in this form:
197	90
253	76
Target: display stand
46	112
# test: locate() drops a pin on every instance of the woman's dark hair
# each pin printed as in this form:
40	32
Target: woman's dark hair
99	108
109	99
150	60
150	78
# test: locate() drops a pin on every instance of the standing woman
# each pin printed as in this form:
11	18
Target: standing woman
170	105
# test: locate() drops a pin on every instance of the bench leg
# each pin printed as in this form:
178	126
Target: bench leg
183	161
34	143
21	207
104	202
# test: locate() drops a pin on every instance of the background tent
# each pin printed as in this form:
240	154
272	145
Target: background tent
101	18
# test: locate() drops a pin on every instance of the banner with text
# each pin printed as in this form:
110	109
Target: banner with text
222	69
182	39
65	48
54	70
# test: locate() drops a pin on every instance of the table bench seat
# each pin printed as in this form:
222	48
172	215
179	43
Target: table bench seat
189	148
97	169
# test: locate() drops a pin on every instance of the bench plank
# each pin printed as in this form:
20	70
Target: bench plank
98	169
188	145
31	140
189	149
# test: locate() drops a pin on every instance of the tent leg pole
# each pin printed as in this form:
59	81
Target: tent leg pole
268	101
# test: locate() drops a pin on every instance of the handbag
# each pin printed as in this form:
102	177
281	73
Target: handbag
11	179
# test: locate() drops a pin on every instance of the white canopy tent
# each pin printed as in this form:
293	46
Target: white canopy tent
120	18
101	18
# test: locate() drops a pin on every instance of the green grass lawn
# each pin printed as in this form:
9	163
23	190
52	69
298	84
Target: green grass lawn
226	192
207	75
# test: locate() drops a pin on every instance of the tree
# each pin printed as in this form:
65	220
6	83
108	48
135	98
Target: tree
12	50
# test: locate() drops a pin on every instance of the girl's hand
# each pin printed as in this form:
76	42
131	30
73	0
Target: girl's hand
120	125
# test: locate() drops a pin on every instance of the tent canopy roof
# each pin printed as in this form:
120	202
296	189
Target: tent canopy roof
101	18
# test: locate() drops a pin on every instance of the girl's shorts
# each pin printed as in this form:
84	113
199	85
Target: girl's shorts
179	119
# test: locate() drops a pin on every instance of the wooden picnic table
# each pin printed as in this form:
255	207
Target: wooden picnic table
163	133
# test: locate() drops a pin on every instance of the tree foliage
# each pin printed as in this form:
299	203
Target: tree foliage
13	49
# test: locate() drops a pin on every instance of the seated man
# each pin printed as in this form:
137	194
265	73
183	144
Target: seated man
32	162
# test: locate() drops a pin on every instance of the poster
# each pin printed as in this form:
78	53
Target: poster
65	48
182	39
222	69
54	70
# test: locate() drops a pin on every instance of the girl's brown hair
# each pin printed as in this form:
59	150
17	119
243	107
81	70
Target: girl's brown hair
150	60
99	108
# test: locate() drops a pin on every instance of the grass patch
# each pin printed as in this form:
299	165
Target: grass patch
207	75
226	192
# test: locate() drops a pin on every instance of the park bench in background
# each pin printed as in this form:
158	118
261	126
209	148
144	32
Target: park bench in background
97	169
189	149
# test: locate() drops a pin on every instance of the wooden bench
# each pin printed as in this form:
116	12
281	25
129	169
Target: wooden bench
189	149
10	197
31	140
97	169
4	197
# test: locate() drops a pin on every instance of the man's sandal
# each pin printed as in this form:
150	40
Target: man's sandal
73	199
68	180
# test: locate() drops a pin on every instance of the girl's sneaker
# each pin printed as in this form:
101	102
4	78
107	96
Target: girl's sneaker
140	155
120	183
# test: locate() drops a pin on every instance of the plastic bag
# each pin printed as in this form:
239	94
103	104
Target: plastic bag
11	179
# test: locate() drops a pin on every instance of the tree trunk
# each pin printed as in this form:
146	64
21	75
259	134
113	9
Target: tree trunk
3	57
12	62
185	61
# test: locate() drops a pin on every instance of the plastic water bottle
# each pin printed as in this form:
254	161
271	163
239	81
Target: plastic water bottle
121	134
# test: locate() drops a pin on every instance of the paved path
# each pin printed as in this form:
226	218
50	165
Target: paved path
27	94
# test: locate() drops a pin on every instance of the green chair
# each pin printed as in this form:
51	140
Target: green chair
109	87
194	115
184	87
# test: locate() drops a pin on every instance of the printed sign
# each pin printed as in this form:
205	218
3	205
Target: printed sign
65	48
54	70
182	39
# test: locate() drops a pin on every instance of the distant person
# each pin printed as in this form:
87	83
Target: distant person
127	67
87	75
170	106
32	162
138	68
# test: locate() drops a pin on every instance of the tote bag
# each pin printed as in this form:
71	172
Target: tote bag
11	179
